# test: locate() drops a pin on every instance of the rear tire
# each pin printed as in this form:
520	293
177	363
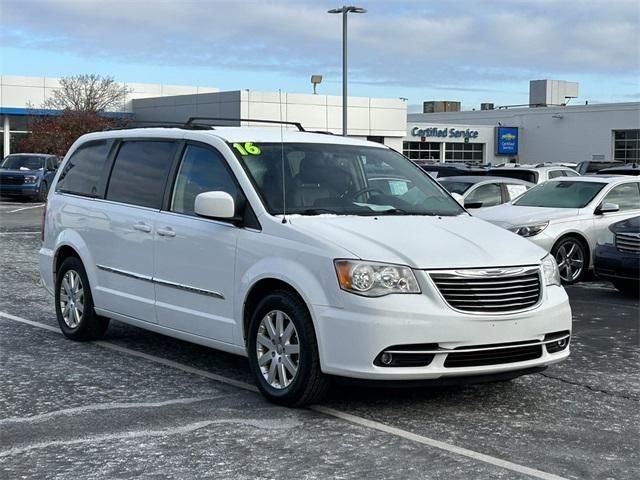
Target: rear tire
74	303
280	326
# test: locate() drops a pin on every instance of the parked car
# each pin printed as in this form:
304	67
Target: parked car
279	248
532	173
617	256
481	192
27	174
565	216
437	170
626	169
593	166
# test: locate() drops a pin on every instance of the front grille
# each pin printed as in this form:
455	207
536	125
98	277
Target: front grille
628	242
11	180
498	356
490	290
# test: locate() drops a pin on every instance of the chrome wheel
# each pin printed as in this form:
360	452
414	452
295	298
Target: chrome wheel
570	259
71	298
278	349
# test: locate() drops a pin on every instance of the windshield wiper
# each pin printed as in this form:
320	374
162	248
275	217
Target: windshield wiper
318	211
393	211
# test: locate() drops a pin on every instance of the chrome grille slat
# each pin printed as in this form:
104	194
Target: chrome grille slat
490	291
627	242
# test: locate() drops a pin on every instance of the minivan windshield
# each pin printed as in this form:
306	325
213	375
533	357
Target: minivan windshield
342	180
560	194
22	162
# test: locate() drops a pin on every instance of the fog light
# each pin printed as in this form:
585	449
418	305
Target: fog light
386	358
562	343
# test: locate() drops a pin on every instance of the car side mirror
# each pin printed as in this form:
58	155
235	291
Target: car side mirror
215	205
472	204
607	208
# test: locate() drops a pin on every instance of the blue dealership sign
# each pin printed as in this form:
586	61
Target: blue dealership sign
506	140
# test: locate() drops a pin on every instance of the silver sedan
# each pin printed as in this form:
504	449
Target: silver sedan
565	216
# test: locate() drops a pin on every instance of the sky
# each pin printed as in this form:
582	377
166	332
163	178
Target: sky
472	51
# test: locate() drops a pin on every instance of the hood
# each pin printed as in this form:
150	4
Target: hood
508	215
423	242
630	225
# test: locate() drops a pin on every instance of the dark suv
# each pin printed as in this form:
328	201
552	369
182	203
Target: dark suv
617	256
28	175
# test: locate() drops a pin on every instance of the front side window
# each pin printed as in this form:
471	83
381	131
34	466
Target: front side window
342	180
201	170
486	195
626	196
560	194
140	171
83	172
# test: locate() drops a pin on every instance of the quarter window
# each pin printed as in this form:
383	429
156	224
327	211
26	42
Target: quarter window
626	196
201	170
82	174
140	172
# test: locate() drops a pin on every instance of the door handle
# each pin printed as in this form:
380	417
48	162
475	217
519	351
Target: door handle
166	232
143	227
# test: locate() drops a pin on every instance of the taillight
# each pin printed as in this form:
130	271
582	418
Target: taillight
44	215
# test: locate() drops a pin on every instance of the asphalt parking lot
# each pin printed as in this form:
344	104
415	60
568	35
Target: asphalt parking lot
141	405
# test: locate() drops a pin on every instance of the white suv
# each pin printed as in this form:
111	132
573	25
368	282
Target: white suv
276	246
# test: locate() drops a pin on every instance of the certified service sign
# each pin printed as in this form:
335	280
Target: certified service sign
506	140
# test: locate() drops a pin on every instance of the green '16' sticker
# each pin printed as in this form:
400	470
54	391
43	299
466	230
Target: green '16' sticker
247	149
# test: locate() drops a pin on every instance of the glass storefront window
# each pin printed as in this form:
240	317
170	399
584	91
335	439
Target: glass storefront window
626	145
421	150
464	153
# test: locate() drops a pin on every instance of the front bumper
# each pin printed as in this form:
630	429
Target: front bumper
351	338
29	190
611	263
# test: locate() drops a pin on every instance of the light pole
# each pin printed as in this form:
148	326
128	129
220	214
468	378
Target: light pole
344	11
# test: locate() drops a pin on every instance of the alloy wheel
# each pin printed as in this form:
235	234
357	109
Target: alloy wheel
278	349
570	259
71	298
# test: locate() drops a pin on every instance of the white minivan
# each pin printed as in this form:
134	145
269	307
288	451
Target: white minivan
316	256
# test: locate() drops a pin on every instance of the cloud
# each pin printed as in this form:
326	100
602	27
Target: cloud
402	43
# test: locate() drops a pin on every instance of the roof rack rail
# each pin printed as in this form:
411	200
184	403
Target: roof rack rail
149	124
321	132
191	121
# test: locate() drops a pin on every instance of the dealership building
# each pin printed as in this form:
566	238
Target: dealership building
546	129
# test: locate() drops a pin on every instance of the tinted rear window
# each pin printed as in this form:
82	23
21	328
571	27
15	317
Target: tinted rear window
140	172
82	174
525	175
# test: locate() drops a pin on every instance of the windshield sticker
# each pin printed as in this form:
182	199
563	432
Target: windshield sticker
247	149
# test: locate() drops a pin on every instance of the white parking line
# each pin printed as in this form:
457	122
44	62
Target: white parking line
19	233
498	462
25	208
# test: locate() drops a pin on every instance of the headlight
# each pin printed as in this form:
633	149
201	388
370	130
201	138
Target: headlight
550	272
375	279
30	179
606	237
529	230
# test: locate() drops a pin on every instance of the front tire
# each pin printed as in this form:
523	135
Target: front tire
43	192
571	257
74	303
283	351
630	288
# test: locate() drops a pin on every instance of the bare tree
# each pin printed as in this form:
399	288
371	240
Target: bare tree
88	93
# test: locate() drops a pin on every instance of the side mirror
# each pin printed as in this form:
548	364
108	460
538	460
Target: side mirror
458	198
607	208
215	205
472	204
